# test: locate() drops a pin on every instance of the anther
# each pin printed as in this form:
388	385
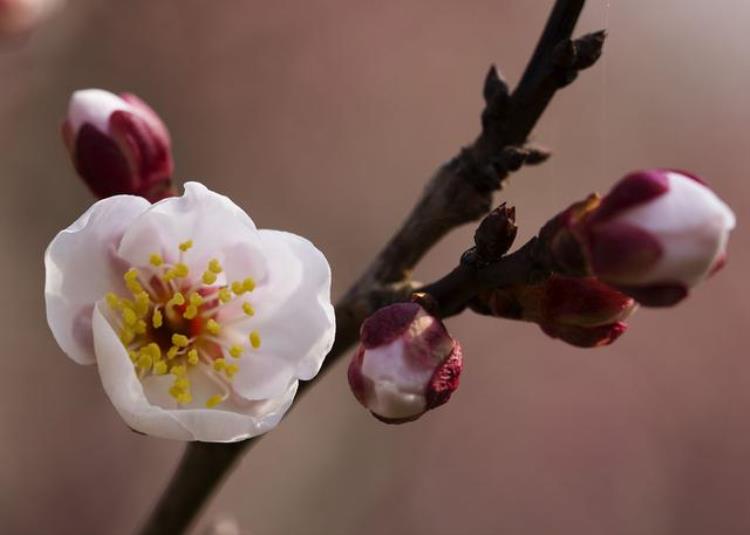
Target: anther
213	326
180	340
255	339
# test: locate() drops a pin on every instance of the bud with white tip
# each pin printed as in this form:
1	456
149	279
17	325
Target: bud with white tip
118	145
655	235
406	363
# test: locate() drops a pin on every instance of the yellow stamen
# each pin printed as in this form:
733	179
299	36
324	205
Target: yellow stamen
180	340
208	277
190	312
145	361
225	295
192	357
181	270
235	351
129	317
231	370
248	309
248	284
178	370
155	351
214	400
182	383
160	368
196	299
155	260
177	299
213	326
255	339
127	335
113	301
186	245
219	364
157	319
214	266
140	327
238	288
142	304
172	352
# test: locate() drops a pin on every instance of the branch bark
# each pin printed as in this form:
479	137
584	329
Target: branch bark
461	191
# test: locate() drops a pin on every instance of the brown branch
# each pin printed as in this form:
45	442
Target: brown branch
460	192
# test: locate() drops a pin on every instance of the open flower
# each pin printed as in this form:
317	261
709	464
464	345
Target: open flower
201	325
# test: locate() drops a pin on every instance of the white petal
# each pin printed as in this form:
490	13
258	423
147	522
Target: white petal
94	106
81	267
398	385
212	221
143	414
293	311
691	223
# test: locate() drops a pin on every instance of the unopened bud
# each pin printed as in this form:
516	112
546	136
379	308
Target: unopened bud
581	311
656	234
118	145
496	233
18	17
406	363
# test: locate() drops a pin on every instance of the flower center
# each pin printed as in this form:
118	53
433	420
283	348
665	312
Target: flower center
170	324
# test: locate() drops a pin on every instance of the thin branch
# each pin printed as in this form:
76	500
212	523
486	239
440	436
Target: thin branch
459	192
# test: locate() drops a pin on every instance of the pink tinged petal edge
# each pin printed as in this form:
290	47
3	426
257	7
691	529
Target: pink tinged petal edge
620	252
634	189
81	265
387	324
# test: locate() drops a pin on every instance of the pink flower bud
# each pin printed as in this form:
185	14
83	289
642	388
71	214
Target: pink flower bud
118	145
18	17
583	312
656	234
406	363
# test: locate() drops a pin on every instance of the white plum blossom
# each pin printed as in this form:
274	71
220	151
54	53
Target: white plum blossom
201	325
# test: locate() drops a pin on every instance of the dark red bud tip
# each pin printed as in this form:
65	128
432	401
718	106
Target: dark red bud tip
634	189
657	295
585	302
446	378
387	324
586	337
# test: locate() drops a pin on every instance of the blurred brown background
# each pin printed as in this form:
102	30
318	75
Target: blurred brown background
326	118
